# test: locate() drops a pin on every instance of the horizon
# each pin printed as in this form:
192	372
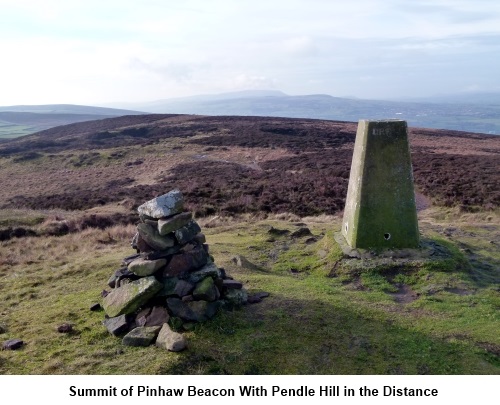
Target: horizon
95	53
123	105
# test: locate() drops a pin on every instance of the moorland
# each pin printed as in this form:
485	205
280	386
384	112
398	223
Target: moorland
67	214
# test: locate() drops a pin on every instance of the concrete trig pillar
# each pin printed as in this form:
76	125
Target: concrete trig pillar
380	210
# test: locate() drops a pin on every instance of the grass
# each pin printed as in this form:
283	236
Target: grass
311	323
9	130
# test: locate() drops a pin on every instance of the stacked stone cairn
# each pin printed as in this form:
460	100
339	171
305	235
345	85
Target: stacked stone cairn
171	282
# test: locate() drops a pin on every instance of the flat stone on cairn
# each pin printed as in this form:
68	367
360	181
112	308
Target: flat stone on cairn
163	206
171	279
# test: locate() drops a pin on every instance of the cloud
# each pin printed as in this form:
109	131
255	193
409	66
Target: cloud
245	81
83	50
300	46
179	72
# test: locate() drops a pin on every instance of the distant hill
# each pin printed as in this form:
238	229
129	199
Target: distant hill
473	114
485	98
26	119
69	109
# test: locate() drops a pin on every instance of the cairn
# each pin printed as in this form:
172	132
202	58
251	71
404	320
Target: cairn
171	282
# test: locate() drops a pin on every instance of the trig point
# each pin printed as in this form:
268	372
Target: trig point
380	210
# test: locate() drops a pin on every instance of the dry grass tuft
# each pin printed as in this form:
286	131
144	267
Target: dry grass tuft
34	250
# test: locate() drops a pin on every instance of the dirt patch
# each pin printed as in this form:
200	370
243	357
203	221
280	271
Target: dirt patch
490	348
459	291
404	295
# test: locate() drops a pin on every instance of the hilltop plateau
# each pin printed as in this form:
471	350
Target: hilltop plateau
69	199
230	165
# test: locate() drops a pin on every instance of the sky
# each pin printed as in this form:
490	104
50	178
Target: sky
119	51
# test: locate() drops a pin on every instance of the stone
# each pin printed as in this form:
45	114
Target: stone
142	267
112	280
180	309
170	340
223	274
134	241
122	281
141	336
116	325
129	297
232	284
212	308
311	240
169	284
163	206
206	290
299	233
188	247
65	328
277	232
3	329
168	225
253	299
243	262
95	307
186	262
200	238
128	259
12	344
153	238
257	297
152	222
380	211
156	316
197	311
141	244
120	274
219	284
161	254
209	270
140	318
236	298
187	232
183	288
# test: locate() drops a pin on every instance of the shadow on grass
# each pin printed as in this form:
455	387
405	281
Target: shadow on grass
315	336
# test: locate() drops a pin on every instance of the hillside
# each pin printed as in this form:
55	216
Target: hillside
232	164
26	119
268	194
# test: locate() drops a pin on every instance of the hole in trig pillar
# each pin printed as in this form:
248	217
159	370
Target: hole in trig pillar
387	236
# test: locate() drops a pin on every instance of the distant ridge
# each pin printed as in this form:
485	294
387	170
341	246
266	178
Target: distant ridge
22	120
69	109
475	115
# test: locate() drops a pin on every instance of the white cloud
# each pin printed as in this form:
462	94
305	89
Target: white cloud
300	46
85	51
245	81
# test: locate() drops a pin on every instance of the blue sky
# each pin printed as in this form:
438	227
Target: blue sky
99	52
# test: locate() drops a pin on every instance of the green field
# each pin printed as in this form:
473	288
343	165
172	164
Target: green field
9	130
